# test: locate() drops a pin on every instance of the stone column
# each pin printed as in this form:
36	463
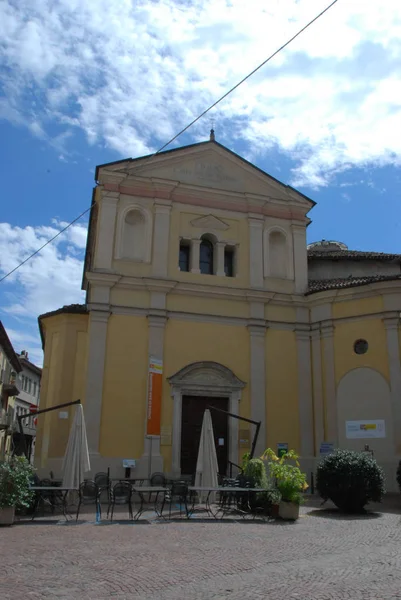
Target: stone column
305	402
161	239
257	334
220	246
104	250
327	336
94	377
256	251
317	390
393	350
194	255
300	258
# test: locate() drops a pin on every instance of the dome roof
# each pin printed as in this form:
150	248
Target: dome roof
327	246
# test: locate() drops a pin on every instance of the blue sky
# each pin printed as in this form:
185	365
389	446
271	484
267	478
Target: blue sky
87	82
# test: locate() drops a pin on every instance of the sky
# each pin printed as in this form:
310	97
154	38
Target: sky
85	82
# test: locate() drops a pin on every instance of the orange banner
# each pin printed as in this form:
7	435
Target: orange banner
154	396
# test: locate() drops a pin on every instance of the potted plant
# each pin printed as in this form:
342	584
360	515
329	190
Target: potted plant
15	479
290	482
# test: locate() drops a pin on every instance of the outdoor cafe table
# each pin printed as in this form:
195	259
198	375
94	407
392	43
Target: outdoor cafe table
151	489
49	494
227	494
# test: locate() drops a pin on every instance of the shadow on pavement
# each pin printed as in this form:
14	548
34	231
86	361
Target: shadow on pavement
335	513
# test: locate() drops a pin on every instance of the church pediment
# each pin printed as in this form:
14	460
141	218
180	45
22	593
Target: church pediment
212	166
210	222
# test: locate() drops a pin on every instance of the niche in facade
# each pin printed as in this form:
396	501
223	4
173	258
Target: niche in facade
277	255
134	243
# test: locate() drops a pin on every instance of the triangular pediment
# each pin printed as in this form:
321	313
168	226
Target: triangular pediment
212	166
210	222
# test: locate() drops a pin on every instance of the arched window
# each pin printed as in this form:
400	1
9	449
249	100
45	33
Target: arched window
278	255
206	252
133	245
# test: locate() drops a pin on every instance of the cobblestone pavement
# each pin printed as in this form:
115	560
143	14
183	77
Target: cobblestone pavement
323	556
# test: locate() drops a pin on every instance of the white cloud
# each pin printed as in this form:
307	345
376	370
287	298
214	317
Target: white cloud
49	280
131	74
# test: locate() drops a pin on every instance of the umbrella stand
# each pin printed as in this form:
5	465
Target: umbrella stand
40	412
257	423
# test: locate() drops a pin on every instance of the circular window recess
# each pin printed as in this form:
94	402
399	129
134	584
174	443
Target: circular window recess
361	346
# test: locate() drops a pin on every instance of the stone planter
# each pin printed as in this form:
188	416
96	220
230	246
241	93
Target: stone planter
288	511
275	509
7	515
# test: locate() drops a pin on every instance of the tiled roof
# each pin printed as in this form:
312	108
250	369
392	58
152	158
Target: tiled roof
322	285
79	309
351	255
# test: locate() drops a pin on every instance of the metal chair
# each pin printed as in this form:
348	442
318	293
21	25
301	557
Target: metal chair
89	493
178	492
103	482
121	494
157	480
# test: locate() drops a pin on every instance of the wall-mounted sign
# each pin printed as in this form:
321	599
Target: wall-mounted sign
326	448
282	448
63	414
221	441
356	430
155	374
129	463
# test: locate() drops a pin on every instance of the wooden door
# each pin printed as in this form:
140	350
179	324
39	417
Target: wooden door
193	408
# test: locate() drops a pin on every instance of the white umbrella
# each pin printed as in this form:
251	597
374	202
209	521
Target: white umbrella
76	459
207	466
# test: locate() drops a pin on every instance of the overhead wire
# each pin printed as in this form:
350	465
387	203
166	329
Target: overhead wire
151	156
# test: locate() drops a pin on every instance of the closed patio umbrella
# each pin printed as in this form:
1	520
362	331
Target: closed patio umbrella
76	459
207	466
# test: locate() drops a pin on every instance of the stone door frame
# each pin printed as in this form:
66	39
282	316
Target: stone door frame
205	378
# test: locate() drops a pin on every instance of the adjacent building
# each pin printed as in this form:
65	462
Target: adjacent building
201	291
10	367
26	401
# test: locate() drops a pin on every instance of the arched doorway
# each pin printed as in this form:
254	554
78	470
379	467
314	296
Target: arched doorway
193	388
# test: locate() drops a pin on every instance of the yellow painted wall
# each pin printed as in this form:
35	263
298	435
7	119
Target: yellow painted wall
63	380
354	308
207	306
345	334
124	388
188	342
282	417
282	314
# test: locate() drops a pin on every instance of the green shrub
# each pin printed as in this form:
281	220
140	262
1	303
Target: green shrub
15	479
350	480
399	475
290	481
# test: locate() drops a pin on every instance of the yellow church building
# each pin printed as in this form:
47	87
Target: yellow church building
201	291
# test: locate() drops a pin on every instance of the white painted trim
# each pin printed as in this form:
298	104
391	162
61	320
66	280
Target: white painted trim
204	379
134	206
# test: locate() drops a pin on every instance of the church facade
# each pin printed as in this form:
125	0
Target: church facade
201	291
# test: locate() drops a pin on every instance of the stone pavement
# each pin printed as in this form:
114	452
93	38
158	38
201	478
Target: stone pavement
324	556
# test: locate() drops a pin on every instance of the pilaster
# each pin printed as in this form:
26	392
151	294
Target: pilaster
257	332
194	255
327	336
161	239
393	350
317	384
98	321
106	228
256	252
305	402
220	246
300	258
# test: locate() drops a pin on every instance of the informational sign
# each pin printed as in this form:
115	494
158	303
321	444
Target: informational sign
221	441
63	414
129	463
357	430
155	374
326	448
282	448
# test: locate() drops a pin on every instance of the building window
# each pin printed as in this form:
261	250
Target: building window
361	347
229	262
26	384
184	258
206	252
34	388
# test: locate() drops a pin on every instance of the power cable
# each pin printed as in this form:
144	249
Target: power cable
262	64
